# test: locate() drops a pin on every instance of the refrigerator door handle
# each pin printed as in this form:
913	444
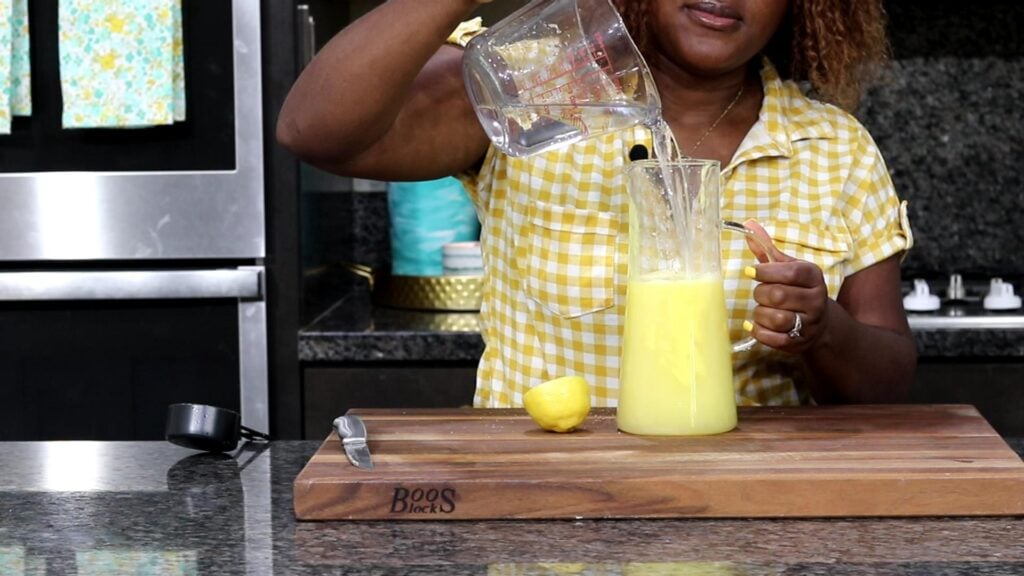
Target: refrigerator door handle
242	283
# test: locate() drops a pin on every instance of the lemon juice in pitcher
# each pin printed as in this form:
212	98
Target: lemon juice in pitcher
676	364
676	359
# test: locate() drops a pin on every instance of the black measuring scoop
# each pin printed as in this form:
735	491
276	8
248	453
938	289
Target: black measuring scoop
207	428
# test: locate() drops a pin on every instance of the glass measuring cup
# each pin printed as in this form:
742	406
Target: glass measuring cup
676	366
555	72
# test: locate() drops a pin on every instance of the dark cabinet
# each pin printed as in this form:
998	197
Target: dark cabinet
994	386
329	391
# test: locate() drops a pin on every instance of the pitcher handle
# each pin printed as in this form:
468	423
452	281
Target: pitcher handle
746	343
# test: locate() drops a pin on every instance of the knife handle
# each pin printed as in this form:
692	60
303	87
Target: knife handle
350	428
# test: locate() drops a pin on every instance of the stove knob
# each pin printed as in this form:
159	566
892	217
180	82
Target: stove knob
1000	296
955	290
921	299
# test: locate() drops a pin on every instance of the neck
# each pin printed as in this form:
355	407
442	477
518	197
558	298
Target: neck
693	99
697	108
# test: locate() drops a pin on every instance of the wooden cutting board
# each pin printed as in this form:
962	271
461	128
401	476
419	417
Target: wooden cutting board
892	460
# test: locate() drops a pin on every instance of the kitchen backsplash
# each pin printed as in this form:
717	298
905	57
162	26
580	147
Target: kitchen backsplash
949	119
950	130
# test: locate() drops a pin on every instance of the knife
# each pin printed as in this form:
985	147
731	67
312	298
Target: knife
352	433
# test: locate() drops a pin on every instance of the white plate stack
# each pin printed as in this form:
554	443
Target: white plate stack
462	259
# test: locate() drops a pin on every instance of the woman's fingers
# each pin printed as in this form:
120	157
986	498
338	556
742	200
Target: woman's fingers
782	321
788	287
772	328
791	273
785	290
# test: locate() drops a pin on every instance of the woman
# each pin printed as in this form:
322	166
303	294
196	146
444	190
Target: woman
385	100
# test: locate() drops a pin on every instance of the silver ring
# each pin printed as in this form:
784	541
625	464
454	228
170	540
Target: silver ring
795	332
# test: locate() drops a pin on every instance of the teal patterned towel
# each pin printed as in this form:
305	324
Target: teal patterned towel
121	63
21	71
12	560
15	81
137	562
5	66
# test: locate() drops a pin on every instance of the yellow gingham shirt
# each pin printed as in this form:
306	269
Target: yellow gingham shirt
555	243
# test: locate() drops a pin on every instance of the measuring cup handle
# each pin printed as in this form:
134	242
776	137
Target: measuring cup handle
746	343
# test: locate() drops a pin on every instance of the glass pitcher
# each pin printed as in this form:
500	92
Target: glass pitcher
555	72
676	365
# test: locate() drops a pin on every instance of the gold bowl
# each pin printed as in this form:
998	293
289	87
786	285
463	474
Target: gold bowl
436	293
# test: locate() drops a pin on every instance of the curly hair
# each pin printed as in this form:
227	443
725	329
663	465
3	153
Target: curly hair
837	46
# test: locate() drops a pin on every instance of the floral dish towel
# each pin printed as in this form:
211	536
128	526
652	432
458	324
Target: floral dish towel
15	81
21	71
121	63
139	562
6	7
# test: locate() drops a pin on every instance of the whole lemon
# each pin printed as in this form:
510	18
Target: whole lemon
559	405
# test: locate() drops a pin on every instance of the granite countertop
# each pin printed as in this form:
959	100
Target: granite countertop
151	507
353	329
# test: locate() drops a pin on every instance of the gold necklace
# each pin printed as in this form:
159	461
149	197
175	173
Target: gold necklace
714	124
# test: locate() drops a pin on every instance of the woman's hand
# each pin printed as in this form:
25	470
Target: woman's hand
788	287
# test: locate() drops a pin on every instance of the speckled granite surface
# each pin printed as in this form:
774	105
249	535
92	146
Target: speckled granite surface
1007	344
154	508
353	330
949	129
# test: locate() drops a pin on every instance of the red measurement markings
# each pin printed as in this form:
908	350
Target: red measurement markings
583	63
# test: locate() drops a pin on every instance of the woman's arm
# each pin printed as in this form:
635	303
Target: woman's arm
385	99
857	348
868	353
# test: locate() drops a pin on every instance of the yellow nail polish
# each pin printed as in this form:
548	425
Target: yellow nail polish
750	272
748	325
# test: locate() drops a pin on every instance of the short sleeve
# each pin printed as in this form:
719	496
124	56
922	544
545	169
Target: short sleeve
478	182
875	217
